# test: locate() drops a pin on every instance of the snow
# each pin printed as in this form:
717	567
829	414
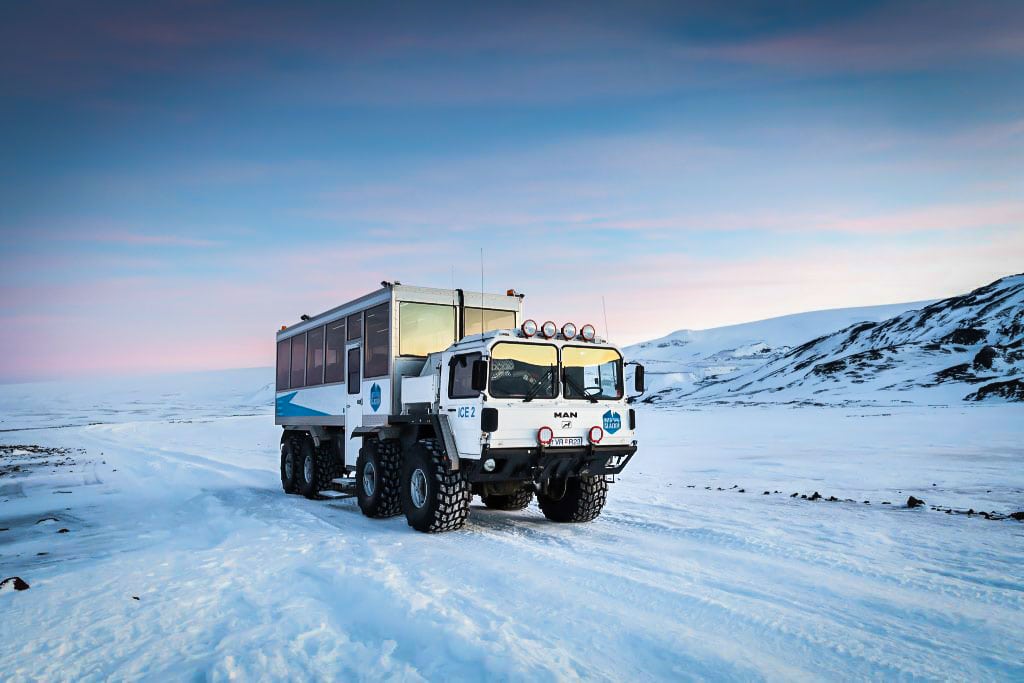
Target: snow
179	505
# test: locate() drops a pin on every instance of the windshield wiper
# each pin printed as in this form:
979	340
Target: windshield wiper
540	385
577	388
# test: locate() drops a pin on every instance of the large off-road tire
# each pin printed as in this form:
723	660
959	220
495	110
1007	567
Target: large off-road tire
289	460
328	467
582	501
305	470
519	500
377	478
434	498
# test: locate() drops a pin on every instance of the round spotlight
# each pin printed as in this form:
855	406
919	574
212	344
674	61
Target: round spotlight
588	332
529	327
548	329
569	331
596	434
489	465
545	435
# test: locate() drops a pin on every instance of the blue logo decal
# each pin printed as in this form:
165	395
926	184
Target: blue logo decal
612	422
375	396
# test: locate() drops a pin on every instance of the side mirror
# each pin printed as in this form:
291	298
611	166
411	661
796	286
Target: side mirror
479	382
489	420
638	378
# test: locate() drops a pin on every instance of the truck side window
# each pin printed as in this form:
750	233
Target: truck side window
284	357
460	381
375	341
353	371
315	357
335	354
298	361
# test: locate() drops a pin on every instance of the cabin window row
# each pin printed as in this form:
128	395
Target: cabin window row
317	356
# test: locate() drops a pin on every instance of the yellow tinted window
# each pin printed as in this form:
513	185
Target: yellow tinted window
425	328
490	319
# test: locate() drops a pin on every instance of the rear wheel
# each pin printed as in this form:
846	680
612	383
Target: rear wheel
289	457
305	469
434	498
581	500
377	478
518	500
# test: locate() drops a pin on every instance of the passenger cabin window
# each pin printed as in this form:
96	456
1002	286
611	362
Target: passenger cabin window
424	328
315	357
480	320
284	357
355	326
353	371
335	352
375	341
524	371
298	361
460	382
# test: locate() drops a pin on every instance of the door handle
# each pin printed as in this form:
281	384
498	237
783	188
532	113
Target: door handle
451	410
359	402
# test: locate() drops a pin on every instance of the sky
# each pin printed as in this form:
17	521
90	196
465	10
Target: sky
179	179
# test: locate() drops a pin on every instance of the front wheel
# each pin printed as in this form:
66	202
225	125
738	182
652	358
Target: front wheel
581	500
434	498
289	458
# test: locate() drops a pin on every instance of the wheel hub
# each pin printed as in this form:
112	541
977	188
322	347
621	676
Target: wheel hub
418	488
289	467
369	478
307	468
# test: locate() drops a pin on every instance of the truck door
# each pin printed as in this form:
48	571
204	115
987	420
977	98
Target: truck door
462	404
353	403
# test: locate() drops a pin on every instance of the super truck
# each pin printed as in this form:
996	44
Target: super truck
415	399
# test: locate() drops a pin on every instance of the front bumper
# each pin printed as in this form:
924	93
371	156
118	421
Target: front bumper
540	463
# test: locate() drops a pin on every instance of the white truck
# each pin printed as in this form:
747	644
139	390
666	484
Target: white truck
415	399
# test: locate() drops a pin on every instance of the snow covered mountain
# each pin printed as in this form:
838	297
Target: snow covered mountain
967	347
682	361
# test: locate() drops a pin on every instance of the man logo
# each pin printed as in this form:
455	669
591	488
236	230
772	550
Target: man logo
566	415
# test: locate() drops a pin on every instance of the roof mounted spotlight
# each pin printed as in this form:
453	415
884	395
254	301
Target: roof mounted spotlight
588	332
569	331
548	329
529	328
303	317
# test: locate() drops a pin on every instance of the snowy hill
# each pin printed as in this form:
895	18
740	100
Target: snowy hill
967	347
686	359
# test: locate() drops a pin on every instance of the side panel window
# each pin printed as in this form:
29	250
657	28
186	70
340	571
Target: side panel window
479	320
460	382
284	357
424	328
315	357
335	352
353	370
298	361
375	341
355	326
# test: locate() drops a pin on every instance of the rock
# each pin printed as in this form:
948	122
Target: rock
914	502
1019	516
794	495
815	496
867	502
13	582
62	531
765	493
135	597
742	491
832	499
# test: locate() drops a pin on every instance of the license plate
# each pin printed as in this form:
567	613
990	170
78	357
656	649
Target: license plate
567	441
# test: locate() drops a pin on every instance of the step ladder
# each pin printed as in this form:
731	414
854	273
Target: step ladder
341	488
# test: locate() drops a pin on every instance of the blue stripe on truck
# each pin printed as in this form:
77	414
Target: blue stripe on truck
285	408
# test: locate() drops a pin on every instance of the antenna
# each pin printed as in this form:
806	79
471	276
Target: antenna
605	309
481	290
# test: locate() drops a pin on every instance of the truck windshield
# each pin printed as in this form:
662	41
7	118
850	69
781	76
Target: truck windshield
592	372
524	370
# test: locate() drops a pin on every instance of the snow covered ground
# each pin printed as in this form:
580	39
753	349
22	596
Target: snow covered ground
233	579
